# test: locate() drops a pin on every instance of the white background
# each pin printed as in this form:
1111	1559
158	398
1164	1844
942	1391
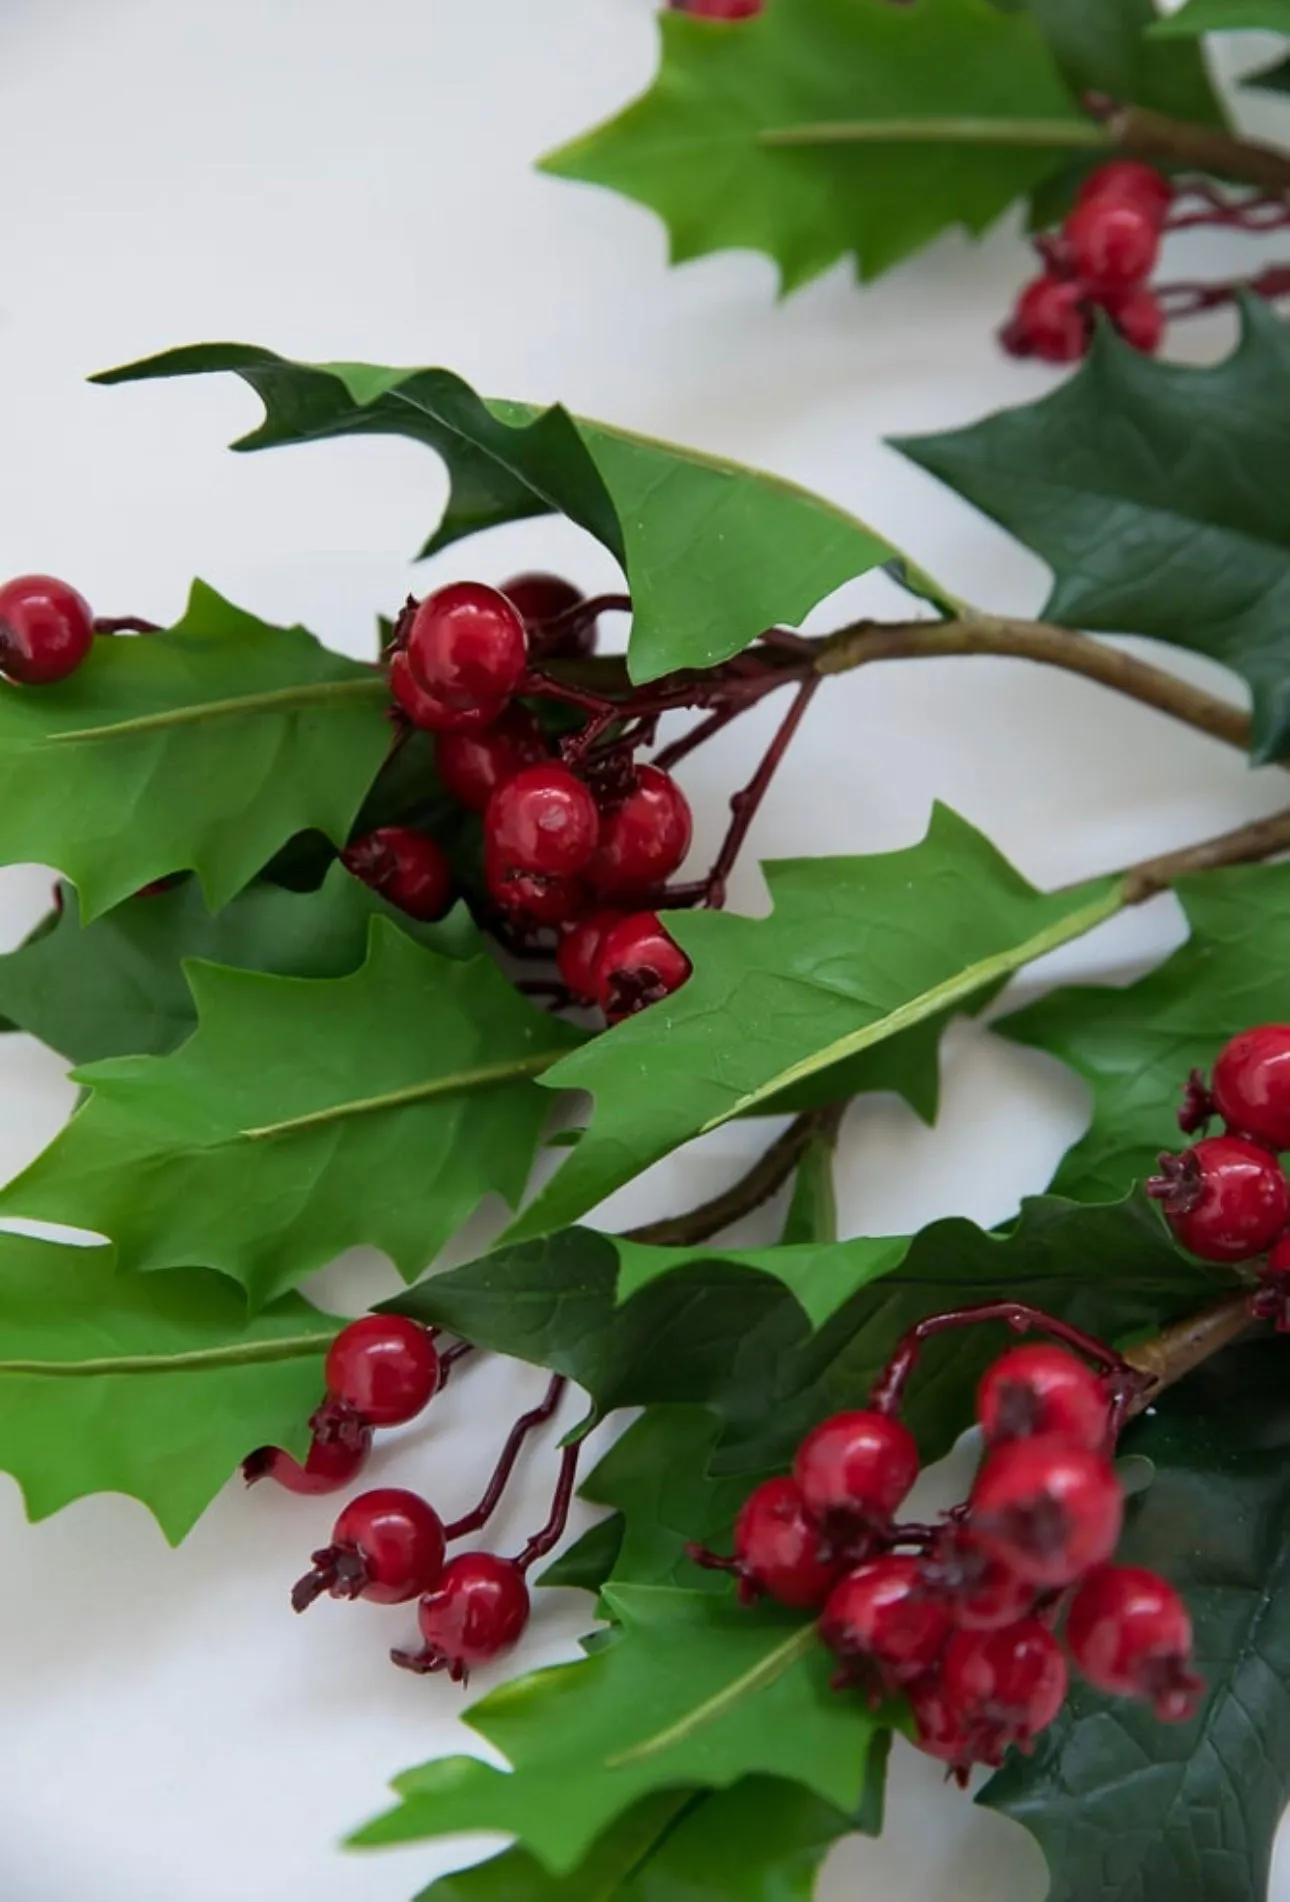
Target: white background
338	180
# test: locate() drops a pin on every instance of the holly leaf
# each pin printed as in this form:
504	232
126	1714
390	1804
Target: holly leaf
1225	16
155	1386
855	950
1153	491
200	749
117	987
305	1116
1130	1810
713	552
1135	1045
1274	78
696	1693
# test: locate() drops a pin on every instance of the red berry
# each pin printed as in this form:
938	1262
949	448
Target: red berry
1042	1389
1047	1508
939	1731
542	599
881	1611
405	867
1130	1634
1112	244
331	1462
384	1368
854	1470
473	765
544	820
579	950
780	1550
424	710
644	837
1004	1686
979	1592
466	644
639	964
1139	317
1225	1199
1272	1301
719	9
478	1610
387	1545
1051	321
1135	183
531	898
1251	1087
46	630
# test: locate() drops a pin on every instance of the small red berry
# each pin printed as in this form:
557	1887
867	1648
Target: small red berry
882	1612
780	1550
1042	1389
1130	1634
579	950
1004	1686
1225	1199
433	715
644	836
639	964
1139	317
1272	1301
543	820
1048	1509
405	867
387	1545
466	644
478	1610
473	765
1135	183
1051	321
531	898
939	1730
46	630
384	1368
1112	244
980	1592
542	599
331	1462
853	1471
1251	1086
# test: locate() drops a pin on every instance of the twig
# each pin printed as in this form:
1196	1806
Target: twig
1180	1349
767	1175
1245	845
1160	140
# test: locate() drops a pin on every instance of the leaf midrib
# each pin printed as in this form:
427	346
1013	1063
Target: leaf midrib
765	1672
190	1360
243	706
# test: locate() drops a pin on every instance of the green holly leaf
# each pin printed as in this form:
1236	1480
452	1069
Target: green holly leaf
117	987
1130	1810
812	1215
1136	1045
1225	16
854	951
1274	78
305	1116
697	1692
207	746
713	552
153	1386
1154	493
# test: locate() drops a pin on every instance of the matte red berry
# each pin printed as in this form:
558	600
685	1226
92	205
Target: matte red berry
1130	1634
466	644
433	715
1225	1199
1135	183
46	630
1112	243
405	867
979	1591
644	837
478	1610
579	950
331	1462
1048	1509
473	765
544	820
387	1545
540	600
1005	1686
853	1471
1051	321
384	1367
719	9
639	964
779	1549
531	898
881	1611
1251	1086
1139	317
1042	1389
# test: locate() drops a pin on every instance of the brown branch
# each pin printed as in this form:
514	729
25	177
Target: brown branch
1160	140
767	1175
1246	845
1180	1349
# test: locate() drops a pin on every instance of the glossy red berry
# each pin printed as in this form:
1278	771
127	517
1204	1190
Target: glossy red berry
1272	1301
387	1545
979	1591
938	1729
544	820
1251	1085
542	600
466	645
1112	244
433	715
1047	1508
579	950
853	1471
1004	1686
1130	1634
882	1612
719	9
780	1550
46	630
1135	183
1225	1199
405	867
532	899
644	836
472	766
1042	1389
1051	321
384	1368
639	964
1139	317
478	1610
331	1462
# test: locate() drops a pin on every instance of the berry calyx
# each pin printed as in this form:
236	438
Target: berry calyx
1130	1634
1050	321
432	715
643	836
541	600
1134	183
1047	1508
1251	1085
639	964
979	1591
405	867
1112	244
531	898
780	1550
478	1610
46	630
473	765
383	1368
333	1460
853	1471
465	644
881	1613
1139	317
543	820
579	949
1042	1389
387	1545
1225	1199
1004	1686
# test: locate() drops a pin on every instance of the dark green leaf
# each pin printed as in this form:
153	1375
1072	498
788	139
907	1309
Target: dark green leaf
1103	46
1226	16
1272	78
713	552
1129	1810
590	1560
813	1212
1155	494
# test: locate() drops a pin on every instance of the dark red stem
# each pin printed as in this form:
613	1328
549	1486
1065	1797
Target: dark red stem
125	624
1191	299
449	1357
527	1422
552	1532
889	1387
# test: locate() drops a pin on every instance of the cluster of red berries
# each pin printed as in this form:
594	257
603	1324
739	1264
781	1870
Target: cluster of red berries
1100	260
963	1623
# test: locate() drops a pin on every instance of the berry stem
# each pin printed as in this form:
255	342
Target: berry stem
888	1390
553	1531
125	624
1192	299
450	1356
536	1416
